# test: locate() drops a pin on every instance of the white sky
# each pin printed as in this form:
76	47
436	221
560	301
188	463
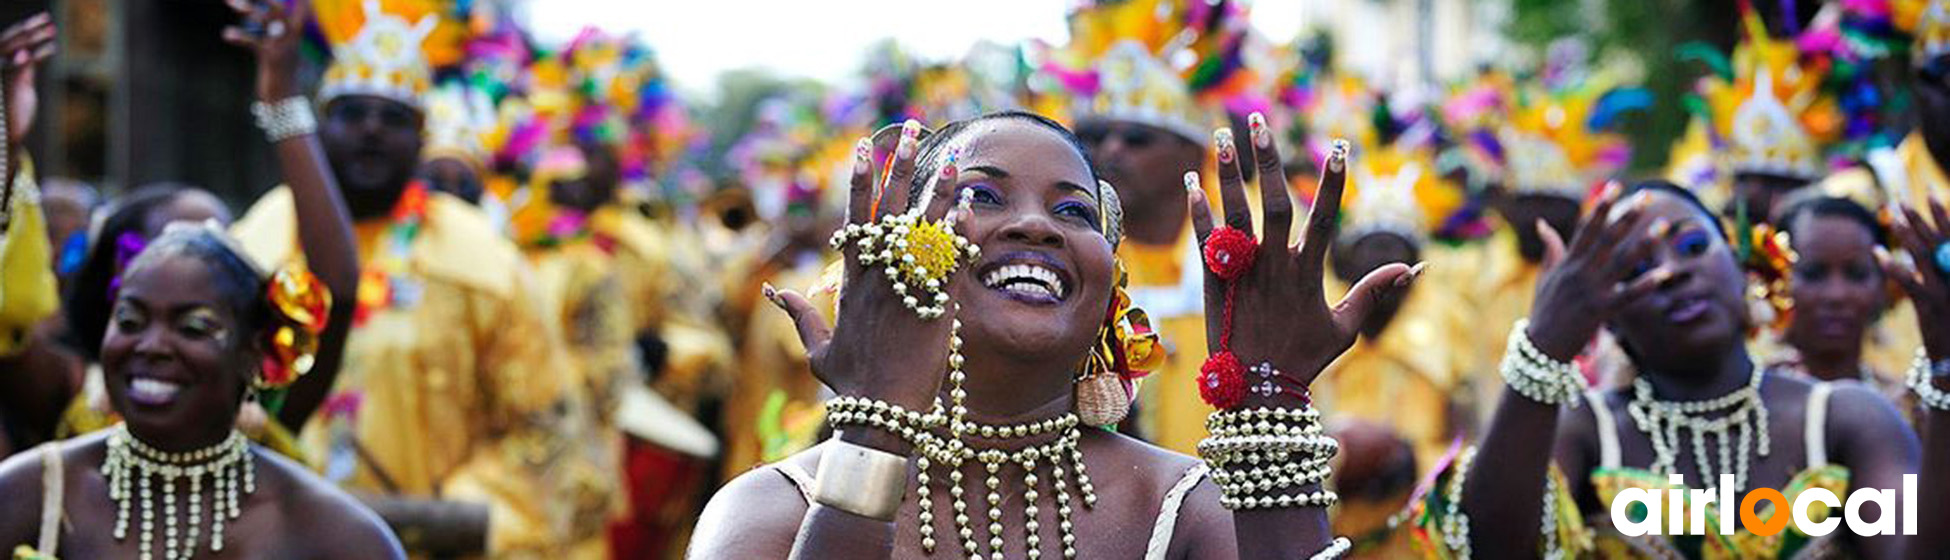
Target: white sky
696	40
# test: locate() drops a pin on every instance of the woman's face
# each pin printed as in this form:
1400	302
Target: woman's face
1042	285
1701	311
1837	288
172	354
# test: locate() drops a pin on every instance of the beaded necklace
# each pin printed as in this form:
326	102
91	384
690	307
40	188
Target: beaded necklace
1731	419
941	436
134	471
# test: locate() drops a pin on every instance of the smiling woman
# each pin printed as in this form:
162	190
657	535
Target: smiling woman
192	331
992	397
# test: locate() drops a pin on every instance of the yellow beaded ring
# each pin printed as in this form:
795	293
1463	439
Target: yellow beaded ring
917	254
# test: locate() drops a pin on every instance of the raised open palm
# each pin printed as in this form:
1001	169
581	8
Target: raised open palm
877	346
1280	315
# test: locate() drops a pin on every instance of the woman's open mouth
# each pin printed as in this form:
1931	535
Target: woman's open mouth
1024	278
152	391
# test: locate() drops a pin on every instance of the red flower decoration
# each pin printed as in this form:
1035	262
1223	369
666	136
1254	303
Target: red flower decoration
1229	252
1222	381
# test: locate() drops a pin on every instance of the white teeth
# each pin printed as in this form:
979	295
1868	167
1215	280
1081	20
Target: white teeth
1027	278
151	389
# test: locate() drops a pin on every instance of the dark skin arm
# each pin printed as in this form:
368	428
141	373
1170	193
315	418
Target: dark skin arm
1581	287
324	224
1283	294
870	351
33	396
1929	290
23	47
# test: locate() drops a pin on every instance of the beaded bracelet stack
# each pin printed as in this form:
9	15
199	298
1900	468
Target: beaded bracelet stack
1537	376
1921	379
1266	457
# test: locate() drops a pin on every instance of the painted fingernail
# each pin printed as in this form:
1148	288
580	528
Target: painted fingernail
1223	137
1882	255
1191	181
1256	124
1337	161
1661	228
771	294
909	143
1419	268
1661	275
948	168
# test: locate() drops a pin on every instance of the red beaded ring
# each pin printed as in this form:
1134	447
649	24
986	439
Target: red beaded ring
1229	253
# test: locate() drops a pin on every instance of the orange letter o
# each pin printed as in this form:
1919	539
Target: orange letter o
1773	524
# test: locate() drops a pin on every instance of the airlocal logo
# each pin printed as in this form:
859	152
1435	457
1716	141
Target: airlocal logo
1637	511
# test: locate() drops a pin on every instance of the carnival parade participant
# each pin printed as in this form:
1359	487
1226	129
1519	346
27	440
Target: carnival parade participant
1143	128
1039	274
443	419
1674	285
1837	293
195	330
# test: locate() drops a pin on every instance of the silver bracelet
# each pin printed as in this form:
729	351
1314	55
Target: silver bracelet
1922	377
286	119
861	480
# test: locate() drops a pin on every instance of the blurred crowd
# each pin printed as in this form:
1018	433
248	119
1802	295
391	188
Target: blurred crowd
559	311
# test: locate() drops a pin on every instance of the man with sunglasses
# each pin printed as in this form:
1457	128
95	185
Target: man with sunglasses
442	419
1143	130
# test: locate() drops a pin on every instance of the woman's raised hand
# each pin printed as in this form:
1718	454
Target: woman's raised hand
270	29
1586	282
23	47
1928	283
1280	315
878	347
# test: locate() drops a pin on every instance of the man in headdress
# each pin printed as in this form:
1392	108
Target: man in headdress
442	418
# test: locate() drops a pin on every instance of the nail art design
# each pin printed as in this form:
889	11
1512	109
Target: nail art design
1256	125
1223	137
1337	161
948	168
1191	181
911	129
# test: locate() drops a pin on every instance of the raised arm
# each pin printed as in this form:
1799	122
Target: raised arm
1582	286
1273	312
271	30
1926	239
877	349
35	385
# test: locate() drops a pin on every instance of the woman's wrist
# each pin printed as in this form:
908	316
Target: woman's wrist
876	438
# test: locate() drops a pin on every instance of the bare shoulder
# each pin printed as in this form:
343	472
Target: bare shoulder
338	525
22	485
1861	421
756	515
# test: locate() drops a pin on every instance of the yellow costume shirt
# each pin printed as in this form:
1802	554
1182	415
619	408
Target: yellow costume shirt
1168	283
27	287
449	392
